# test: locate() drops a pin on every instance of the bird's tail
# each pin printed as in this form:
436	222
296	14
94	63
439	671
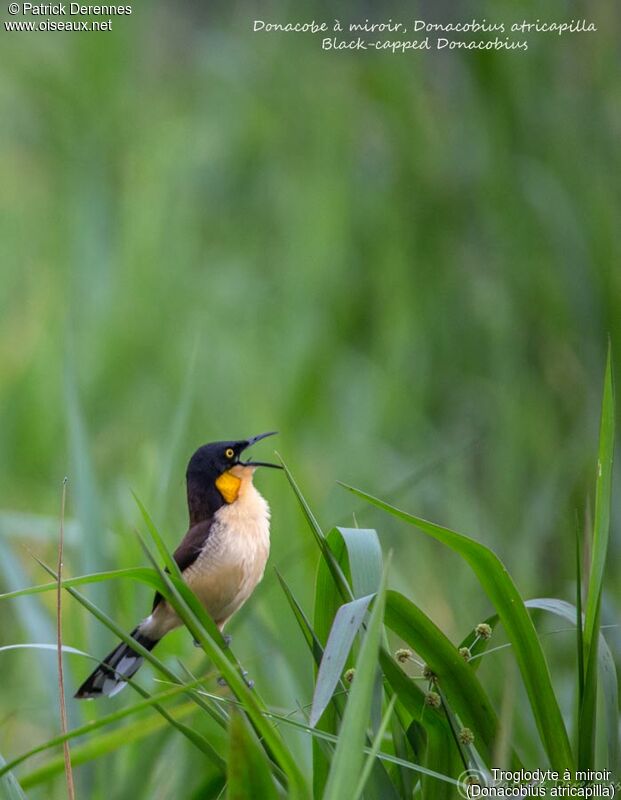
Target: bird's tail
111	675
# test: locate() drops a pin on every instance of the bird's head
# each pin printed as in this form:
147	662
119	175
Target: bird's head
219	466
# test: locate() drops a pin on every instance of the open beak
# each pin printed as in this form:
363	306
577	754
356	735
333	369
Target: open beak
252	441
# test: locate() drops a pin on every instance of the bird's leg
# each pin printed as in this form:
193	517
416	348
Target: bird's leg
244	673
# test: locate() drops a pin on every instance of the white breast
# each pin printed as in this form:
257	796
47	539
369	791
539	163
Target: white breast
233	560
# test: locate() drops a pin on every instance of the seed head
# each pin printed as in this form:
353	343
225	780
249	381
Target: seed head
465	653
483	630
433	700
466	736
403	654
429	674
349	674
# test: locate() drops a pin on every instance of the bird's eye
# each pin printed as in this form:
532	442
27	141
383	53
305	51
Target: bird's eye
229	452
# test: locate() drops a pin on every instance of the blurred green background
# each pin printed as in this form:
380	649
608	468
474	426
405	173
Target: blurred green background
408	265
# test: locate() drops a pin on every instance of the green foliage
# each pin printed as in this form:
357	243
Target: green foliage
348	756
347	622
97	746
374	725
590	637
248	770
455	676
502	592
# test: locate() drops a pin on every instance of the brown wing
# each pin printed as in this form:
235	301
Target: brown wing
189	549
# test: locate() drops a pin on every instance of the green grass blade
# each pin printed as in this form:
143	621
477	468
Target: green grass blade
307	630
403	779
346	625
599	551
106	742
348	756
358	557
358	554
9	786
39	646
507	601
375	748
579	620
342	550
327	600
322	751
144	574
602	508
438	759
364	559
330	560
248	774
149	701
607	671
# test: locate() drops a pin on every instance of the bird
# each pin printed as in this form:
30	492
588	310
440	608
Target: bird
222	556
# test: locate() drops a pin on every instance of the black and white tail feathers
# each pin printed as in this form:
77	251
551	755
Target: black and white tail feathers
111	675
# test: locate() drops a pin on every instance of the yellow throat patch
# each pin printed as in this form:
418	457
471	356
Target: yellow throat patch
228	485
